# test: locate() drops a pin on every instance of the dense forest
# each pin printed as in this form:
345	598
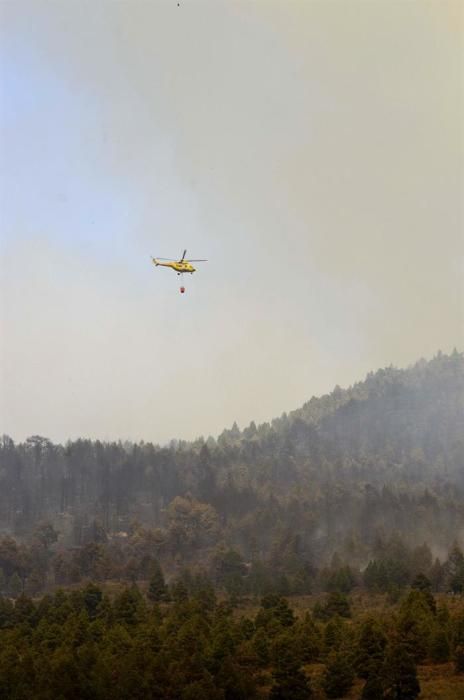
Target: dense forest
369	480
185	644
143	571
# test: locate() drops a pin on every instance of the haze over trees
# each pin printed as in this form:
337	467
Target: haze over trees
369	479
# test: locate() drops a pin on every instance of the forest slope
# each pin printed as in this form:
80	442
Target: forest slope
342	476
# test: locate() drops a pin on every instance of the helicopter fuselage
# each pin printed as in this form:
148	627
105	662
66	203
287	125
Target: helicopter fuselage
179	267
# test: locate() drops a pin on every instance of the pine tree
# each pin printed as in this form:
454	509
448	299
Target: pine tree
128	606
92	597
337	604
157	589
310	641
370	648
439	648
339	675
333	634
455	569
400	672
24	610
235	682
373	688
437	575
275	609
422	583
260	643
415	623
290	683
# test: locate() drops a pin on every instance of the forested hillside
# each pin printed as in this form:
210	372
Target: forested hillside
372	475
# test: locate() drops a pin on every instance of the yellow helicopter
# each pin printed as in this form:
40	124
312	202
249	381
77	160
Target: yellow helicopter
180	266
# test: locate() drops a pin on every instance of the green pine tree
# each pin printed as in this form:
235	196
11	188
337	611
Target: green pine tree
157	589
310	640
370	647
439	647
260	643
400	672
374	686
290	683
339	675
455	569
333	634
337	604
423	584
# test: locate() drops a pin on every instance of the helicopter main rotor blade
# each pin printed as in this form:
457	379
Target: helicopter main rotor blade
183	256
170	259
198	260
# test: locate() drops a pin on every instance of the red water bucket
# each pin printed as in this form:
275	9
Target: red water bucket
182	290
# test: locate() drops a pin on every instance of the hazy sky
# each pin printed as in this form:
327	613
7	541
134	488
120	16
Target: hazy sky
312	151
